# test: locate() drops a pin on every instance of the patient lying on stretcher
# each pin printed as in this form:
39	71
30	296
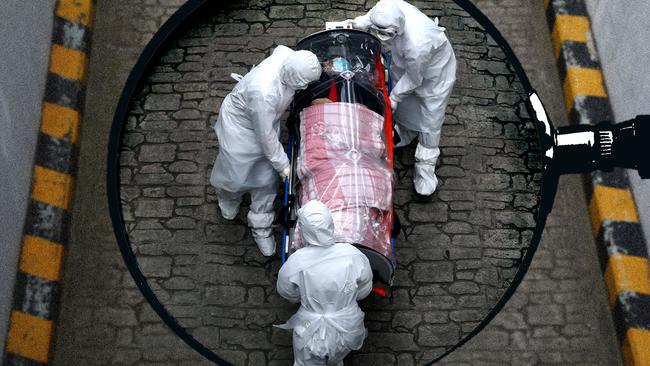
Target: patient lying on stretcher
342	163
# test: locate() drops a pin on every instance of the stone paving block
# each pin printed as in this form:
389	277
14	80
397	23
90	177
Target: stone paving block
438	335
501	238
147	179
396	342
165	102
225	295
360	359
155	266
433	272
249	339
155	153
154	208
427	213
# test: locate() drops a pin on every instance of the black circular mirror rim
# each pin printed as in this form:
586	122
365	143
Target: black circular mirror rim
173	26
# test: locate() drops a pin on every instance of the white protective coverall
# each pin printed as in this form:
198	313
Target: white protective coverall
328	279
248	128
424	66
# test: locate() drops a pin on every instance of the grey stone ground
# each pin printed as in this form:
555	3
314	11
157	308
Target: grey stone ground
223	291
460	250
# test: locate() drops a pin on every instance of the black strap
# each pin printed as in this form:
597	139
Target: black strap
283	215
397	225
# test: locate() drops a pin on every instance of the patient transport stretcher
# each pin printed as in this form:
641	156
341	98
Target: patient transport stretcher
341	148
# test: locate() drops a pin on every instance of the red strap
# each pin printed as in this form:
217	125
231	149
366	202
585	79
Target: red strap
334	95
379	291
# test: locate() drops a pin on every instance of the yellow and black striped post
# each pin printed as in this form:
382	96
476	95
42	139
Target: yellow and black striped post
30	335
622	248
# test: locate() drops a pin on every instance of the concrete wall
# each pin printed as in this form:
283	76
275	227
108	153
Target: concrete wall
621	32
25	34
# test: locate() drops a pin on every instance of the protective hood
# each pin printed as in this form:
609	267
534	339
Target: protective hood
316	224
388	16
299	69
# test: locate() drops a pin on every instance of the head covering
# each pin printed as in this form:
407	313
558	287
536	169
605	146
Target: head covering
387	15
299	69
316	224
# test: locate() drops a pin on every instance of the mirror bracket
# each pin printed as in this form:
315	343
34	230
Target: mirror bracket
545	130
605	146
585	148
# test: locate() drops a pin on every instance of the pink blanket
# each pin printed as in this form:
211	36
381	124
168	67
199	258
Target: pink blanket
342	163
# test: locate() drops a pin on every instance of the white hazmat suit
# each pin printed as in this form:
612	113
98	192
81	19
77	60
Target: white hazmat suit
248	128
328	279
424	66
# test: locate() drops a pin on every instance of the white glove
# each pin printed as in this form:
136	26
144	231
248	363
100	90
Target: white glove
393	104
284	174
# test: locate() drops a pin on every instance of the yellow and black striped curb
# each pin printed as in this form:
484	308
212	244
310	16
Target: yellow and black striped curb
30	335
622	248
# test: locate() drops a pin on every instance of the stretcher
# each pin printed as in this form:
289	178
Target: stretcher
340	147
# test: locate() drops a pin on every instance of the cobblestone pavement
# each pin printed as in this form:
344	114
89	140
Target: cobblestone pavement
458	254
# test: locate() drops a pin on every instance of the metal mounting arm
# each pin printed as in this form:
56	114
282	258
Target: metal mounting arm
585	148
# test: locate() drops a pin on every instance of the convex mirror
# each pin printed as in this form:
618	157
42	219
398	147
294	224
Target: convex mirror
459	255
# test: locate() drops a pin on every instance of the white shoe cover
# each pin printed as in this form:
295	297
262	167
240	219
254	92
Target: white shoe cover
228	209
424	176
425	186
266	245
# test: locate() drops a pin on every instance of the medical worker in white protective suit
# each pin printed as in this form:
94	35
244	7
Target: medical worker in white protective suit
250	153
424	68
328	279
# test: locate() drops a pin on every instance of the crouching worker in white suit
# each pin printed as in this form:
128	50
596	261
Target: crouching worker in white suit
328	279
250	153
424	68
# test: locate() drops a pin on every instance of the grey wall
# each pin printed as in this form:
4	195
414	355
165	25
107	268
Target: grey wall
25	34
622	34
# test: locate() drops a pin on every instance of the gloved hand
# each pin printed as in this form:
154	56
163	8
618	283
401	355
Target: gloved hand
284	174
360	22
393	103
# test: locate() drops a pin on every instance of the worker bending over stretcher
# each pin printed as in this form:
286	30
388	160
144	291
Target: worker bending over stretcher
248	128
328	279
424	67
